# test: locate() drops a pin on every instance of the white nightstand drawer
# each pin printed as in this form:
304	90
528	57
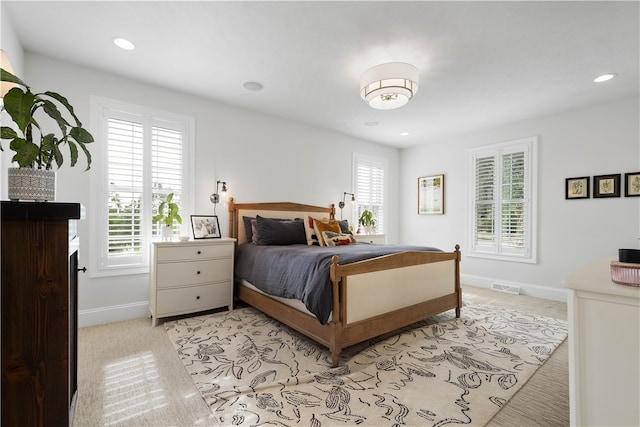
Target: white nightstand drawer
192	252
173	274
193	298
378	239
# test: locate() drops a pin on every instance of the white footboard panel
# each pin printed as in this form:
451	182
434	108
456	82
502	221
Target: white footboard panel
373	294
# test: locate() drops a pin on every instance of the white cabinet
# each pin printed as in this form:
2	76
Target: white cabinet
371	238
187	277
604	348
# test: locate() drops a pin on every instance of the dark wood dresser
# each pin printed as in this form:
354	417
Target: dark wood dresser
39	315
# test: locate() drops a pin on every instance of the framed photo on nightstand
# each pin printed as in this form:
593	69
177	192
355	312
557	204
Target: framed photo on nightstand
205	227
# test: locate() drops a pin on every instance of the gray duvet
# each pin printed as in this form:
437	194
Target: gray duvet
302	271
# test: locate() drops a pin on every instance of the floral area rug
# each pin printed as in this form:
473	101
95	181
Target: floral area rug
252	370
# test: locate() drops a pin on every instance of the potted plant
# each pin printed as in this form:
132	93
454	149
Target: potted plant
167	214
35	150
367	221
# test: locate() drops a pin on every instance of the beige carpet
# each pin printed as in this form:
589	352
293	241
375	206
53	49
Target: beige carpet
252	370
129	376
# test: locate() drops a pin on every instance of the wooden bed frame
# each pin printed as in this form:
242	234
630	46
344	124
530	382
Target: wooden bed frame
370	297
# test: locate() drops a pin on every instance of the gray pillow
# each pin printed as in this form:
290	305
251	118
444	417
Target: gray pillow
280	232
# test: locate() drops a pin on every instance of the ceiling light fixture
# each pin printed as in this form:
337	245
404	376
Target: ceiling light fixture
604	77
123	43
404	133
388	86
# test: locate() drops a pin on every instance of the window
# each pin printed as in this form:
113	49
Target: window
369	177
503	201
146	156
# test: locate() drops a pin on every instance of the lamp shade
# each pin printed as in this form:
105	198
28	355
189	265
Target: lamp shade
388	86
5	65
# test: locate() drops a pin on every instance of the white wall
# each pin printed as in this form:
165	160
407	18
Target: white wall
12	47
262	158
602	139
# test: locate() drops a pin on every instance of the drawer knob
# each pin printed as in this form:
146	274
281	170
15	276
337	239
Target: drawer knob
198	297
198	271
199	252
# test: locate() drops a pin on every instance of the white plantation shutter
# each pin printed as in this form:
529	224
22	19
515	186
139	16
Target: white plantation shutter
369	185
145	157
485	203
514	214
503	200
166	168
125	168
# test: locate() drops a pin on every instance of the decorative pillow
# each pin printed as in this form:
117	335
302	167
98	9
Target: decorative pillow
324	226
280	232
247	227
344	226
338	239
310	231
254	231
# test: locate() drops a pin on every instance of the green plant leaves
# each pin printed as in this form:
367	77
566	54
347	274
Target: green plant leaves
171	209
18	105
34	148
6	76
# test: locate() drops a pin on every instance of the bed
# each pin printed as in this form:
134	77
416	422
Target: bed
367	298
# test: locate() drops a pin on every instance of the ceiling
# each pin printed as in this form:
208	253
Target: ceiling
481	64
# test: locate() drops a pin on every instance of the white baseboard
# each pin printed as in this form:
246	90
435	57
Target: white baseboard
115	313
555	294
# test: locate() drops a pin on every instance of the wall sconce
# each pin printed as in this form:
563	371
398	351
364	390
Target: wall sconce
344	195
220	196
342	204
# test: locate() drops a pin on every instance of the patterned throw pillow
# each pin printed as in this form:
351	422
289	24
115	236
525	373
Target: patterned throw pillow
310	231
338	239
321	226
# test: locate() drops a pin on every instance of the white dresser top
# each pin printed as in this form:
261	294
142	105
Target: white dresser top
176	242
596	277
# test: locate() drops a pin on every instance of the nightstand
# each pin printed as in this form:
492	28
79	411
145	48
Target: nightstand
192	276
379	239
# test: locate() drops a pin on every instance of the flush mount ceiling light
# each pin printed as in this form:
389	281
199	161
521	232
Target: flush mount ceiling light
123	43
604	77
388	86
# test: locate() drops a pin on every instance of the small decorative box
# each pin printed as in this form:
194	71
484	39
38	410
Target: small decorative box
624	273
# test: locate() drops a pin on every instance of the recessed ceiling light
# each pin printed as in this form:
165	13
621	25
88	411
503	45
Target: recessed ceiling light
123	43
404	133
604	78
252	86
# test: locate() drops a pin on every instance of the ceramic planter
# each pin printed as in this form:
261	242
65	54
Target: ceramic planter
167	233
31	184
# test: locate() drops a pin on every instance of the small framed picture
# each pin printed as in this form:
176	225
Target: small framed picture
606	186
205	227
632	184
431	195
577	188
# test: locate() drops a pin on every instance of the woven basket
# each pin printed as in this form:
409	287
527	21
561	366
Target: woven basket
624	273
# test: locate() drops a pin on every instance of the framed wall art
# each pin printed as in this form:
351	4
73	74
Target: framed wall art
431	195
576	188
632	184
606	186
205	227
